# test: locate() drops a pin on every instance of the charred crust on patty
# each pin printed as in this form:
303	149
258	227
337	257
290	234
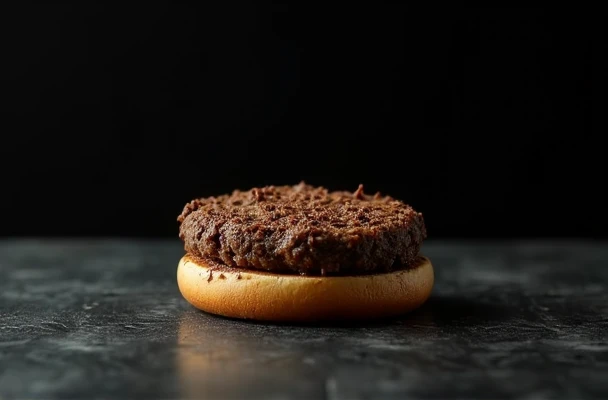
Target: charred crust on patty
303	229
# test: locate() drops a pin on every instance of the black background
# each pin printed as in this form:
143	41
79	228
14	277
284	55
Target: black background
489	121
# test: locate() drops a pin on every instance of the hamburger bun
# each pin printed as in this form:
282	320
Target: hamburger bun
266	296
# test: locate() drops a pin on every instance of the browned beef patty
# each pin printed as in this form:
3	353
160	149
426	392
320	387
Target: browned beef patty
303	229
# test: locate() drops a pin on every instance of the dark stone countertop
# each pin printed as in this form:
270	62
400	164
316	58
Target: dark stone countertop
104	319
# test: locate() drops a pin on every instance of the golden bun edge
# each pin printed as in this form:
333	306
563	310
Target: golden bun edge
264	296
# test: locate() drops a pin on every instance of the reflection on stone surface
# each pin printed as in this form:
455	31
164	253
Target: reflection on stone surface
219	359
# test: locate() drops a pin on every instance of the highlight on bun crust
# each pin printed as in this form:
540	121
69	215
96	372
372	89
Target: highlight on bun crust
263	296
303	253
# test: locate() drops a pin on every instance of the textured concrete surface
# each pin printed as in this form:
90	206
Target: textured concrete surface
104	319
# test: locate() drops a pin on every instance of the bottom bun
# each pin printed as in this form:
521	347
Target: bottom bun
263	296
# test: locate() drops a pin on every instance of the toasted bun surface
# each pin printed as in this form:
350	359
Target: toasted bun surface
240	293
